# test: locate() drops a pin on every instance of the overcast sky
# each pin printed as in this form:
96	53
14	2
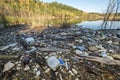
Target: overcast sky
85	5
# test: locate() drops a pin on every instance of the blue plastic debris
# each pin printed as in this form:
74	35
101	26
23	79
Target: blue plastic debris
61	62
81	48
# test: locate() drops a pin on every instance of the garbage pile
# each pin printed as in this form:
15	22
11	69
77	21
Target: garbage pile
73	53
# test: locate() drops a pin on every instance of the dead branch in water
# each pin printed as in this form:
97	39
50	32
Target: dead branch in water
113	10
100	60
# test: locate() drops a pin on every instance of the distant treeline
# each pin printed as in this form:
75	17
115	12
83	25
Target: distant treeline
30	11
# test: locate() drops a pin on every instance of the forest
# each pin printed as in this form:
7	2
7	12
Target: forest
30	11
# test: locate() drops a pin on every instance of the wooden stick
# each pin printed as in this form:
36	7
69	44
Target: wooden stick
100	60
53	50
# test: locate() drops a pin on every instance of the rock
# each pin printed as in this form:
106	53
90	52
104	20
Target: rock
116	56
8	66
16	49
53	47
71	73
81	48
103	37
47	70
92	48
109	42
30	40
3	48
104	55
18	68
78	52
108	76
116	43
77	79
26	60
79	41
2	26
74	71
111	51
26	68
33	49
35	69
81	53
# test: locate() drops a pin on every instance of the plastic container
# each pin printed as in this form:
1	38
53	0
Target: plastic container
53	63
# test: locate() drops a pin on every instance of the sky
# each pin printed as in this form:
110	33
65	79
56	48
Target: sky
85	5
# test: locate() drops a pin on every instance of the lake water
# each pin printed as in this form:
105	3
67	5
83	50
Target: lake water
97	24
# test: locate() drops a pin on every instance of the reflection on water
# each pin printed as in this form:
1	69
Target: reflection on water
58	21
97	24
80	22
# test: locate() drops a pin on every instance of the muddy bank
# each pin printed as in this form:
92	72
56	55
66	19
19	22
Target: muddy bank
72	53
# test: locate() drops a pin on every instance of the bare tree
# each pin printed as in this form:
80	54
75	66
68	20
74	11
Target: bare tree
112	13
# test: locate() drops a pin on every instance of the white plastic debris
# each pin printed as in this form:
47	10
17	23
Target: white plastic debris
30	41
4	48
8	66
78	52
104	54
32	50
12	45
8	46
66	65
26	68
109	42
38	73
53	63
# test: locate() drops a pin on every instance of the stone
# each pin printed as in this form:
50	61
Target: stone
81	48
74	71
16	49
81	53
78	52
8	66
18	68
109	42
116	56
4	48
79	41
26	68
92	48
116	43
47	70
2	26
71	73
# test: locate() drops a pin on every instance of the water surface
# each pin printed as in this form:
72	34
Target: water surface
93	24
98	24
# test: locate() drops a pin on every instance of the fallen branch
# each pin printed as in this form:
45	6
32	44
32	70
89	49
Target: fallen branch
7	57
53	50
100	60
